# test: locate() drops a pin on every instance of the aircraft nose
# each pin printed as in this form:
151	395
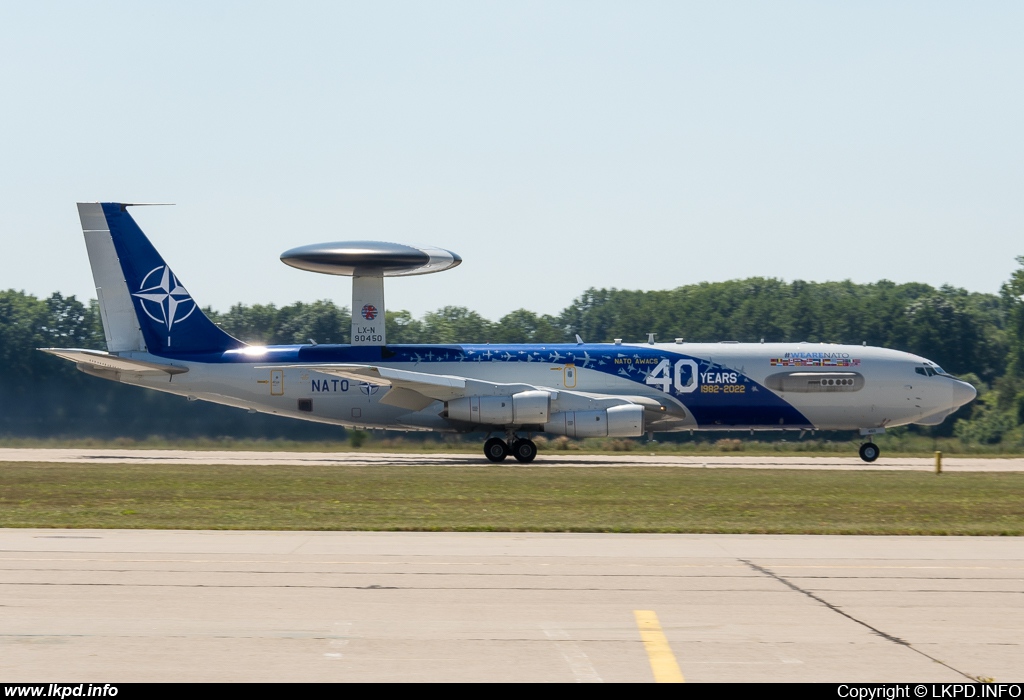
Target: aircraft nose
963	393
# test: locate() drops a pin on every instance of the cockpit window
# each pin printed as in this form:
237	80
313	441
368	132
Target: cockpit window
939	370
928	371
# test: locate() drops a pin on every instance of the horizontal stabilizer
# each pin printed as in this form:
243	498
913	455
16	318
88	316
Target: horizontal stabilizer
97	359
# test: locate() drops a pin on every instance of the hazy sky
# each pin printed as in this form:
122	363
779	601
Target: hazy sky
556	146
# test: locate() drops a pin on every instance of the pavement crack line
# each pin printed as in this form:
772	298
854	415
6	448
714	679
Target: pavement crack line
834	608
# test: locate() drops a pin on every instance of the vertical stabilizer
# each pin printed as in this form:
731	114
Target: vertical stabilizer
143	303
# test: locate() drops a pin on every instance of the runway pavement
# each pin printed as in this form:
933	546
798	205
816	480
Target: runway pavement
547	458
135	605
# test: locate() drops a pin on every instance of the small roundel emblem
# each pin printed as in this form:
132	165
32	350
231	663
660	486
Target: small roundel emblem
369	312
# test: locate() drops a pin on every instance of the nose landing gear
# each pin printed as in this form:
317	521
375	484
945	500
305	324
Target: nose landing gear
869	452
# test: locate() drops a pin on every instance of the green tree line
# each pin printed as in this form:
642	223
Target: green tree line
978	336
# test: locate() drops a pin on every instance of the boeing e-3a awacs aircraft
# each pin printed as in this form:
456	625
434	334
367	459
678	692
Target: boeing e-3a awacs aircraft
158	337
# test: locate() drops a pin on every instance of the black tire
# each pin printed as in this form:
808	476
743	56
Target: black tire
524	451
496	450
869	452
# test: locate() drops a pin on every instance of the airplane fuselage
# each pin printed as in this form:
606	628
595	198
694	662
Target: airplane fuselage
698	386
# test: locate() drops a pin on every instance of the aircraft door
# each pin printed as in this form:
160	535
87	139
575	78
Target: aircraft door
569	376
277	382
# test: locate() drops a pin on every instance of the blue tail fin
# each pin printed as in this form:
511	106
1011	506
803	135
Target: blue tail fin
170	320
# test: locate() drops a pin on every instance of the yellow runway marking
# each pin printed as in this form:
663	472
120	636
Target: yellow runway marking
663	661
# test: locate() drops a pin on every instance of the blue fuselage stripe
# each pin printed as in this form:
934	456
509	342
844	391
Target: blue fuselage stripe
718	396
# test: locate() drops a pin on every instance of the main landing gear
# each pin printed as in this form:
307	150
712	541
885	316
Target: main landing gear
869	452
496	449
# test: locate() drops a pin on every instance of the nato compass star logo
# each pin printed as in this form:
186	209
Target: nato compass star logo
369	312
163	298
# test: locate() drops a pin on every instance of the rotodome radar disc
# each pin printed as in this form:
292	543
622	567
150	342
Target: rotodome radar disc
370	258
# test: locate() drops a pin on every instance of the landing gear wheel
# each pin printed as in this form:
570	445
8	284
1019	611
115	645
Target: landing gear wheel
524	450
496	450
869	452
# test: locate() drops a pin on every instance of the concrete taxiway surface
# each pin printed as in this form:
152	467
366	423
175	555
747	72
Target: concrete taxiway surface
135	605
550	458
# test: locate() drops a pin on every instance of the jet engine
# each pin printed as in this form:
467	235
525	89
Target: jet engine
524	408
617	421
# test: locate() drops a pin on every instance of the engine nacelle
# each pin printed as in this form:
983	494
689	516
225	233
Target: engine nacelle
524	408
617	421
531	407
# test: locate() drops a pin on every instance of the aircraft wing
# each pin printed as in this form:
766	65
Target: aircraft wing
99	360
417	390
429	387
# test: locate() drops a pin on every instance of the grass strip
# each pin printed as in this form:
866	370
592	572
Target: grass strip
510	498
893	444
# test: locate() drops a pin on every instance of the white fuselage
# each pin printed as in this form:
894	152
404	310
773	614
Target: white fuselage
719	386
